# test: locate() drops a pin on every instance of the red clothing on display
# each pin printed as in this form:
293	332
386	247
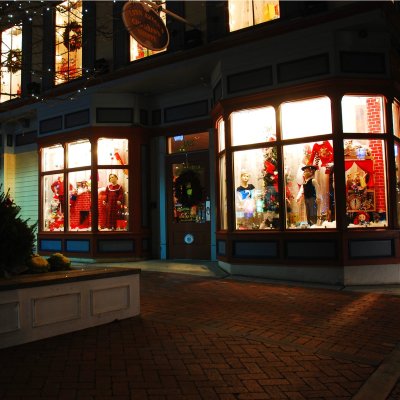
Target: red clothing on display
114	193
323	152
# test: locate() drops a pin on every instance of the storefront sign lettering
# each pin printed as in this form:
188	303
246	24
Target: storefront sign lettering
145	25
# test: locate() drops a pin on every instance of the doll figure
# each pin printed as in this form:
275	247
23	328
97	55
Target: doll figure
309	191
113	199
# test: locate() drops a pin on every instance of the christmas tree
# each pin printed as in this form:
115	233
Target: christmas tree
17	237
270	176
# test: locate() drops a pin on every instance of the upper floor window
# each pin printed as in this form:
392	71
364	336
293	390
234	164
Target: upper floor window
244	13
11	63
68	61
137	51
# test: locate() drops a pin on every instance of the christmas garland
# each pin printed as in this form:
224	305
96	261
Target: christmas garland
13	62
72	42
187	189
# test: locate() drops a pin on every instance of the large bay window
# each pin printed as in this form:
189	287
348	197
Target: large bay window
75	189
68	62
11	63
287	179
245	13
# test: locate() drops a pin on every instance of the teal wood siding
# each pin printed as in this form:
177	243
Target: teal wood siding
26	185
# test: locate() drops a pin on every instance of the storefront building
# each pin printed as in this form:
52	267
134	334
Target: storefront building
270	144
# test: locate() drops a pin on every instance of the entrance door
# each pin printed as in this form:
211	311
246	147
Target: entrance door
188	206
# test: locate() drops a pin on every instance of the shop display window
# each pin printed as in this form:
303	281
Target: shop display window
245	13
256	189
397	163
68	51
255	125
74	201
79	154
396	118
185	143
309	186
363	114
137	51
54	200
53	158
365	177
113	200
11	63
112	151
306	118
80	204
222	193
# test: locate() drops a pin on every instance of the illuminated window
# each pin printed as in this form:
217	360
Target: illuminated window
11	63
68	41
397	161
363	114
185	143
309	186
396	118
137	51
306	118
68	201
253	126
245	13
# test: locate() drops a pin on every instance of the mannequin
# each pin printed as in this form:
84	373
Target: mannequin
245	195
114	195
309	191
57	187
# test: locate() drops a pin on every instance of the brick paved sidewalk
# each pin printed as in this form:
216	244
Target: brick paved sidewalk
205	338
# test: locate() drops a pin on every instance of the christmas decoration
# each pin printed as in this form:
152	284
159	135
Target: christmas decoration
72	36
187	188
270	177
13	61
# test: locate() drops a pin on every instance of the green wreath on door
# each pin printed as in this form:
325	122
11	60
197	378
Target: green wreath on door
187	188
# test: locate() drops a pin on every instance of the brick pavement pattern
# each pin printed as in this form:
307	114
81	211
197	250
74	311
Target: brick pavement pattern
205	338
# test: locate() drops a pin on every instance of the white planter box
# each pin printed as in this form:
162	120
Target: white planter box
34	307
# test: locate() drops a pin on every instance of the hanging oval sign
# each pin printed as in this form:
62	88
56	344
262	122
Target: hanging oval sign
145	25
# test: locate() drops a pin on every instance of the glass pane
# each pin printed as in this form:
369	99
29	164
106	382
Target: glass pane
68	58
54	201
396	118
306	118
52	158
363	114
265	10
113	200
222	194
365	176
309	187
397	161
80	204
112	152
244	13
11	63
189	197
186	143
79	154
256	189
240	14
221	135
253	126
